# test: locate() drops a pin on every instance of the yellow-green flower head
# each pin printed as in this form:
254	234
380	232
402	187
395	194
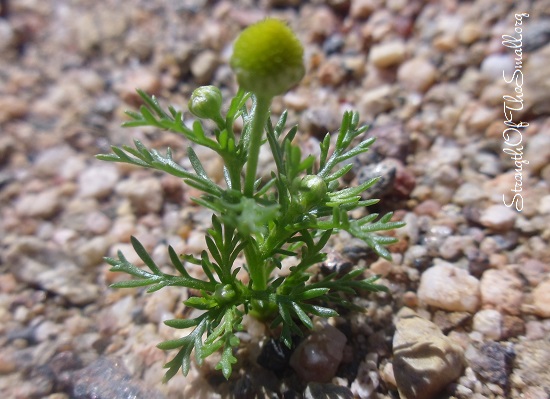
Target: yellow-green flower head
268	58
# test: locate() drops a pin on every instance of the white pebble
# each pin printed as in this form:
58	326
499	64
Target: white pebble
98	181
450	288
489	323
498	217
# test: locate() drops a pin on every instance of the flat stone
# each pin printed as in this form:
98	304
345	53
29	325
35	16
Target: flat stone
425	361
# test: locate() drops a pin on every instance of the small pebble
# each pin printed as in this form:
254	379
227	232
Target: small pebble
541	299
98	181
498	217
40	205
203	66
417	74
145	195
489	323
502	289
318	356
447	287
364	8
387	54
425	360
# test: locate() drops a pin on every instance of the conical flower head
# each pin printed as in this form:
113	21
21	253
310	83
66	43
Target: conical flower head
268	58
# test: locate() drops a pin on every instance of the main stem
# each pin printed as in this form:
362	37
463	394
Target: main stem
261	112
256	267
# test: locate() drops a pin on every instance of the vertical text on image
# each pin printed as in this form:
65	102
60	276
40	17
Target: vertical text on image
512	133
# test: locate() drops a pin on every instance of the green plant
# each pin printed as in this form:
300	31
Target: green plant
294	213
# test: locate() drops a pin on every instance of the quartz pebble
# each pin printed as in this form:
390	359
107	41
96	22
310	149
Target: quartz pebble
425	360
445	286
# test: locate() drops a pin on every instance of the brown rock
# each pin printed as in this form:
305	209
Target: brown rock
425	360
318	356
512	326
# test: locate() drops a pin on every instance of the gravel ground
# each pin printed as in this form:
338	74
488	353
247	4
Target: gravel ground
469	310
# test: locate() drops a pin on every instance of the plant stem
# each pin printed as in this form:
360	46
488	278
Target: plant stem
258	122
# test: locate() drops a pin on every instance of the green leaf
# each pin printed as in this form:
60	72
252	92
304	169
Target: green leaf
226	362
319	311
182	323
176	262
142	253
304	318
312	293
200	303
133	283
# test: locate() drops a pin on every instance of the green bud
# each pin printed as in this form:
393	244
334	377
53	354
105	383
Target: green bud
206	103
224	293
268	58
310	190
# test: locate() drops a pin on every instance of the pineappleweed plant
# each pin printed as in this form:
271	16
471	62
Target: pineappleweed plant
293	213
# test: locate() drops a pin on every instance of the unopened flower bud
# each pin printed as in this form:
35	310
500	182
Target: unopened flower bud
206	103
268	58
224	293
311	189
